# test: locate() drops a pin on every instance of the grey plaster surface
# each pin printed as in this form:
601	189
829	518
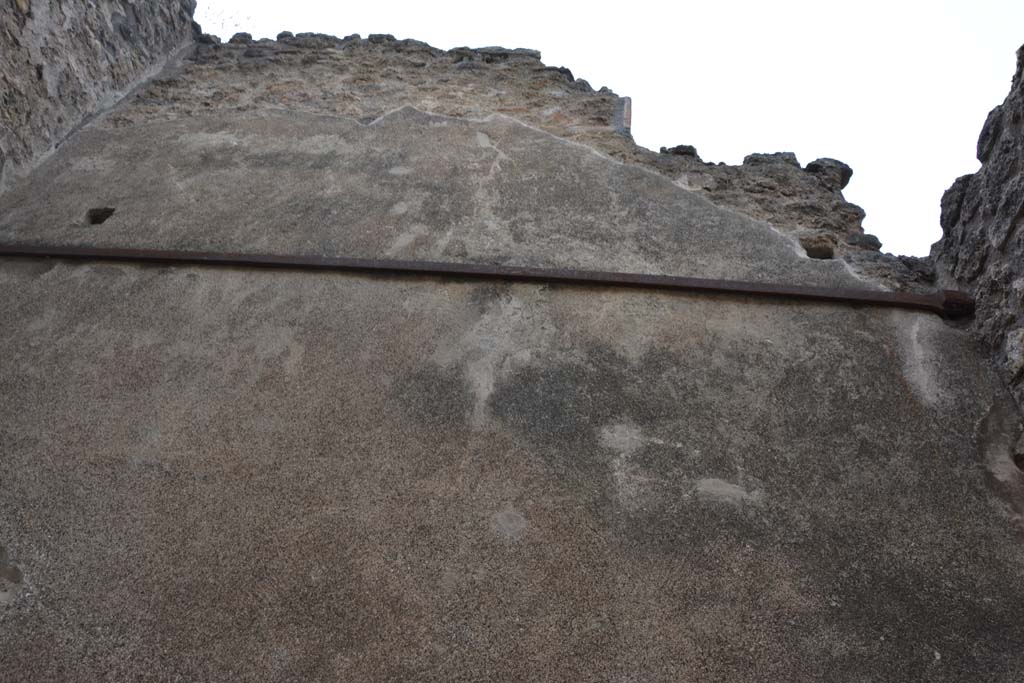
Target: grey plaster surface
409	185
217	474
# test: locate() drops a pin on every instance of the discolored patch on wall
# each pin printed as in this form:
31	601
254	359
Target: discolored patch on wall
913	608
485	297
509	524
560	405
10	579
436	398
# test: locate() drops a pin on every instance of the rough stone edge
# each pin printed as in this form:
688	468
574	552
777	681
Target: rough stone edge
981	245
858	251
833	231
11	174
166	66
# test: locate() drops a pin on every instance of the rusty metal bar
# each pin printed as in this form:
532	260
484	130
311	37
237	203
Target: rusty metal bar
947	303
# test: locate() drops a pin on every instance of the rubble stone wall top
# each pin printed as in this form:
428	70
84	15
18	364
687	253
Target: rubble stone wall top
364	78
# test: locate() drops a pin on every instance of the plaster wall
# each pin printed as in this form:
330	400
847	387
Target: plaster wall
218	473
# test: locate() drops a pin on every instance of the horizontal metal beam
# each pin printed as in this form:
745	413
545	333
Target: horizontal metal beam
947	303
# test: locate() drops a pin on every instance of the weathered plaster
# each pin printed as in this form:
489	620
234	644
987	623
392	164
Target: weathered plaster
222	473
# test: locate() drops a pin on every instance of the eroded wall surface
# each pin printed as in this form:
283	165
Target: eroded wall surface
366	78
63	60
226	474
982	247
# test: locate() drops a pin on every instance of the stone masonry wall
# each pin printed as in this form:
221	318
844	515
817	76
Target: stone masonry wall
366	78
63	60
982	247
235	474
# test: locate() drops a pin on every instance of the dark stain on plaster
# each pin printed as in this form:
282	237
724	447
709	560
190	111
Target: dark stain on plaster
10	579
438	398
485	296
893	601
560	406
8	570
560	403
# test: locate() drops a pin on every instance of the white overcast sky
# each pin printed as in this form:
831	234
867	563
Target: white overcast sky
896	89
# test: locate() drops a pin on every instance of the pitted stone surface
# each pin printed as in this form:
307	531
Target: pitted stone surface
61	62
982	245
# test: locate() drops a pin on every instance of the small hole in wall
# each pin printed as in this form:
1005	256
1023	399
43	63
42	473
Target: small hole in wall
98	216
1018	459
818	248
